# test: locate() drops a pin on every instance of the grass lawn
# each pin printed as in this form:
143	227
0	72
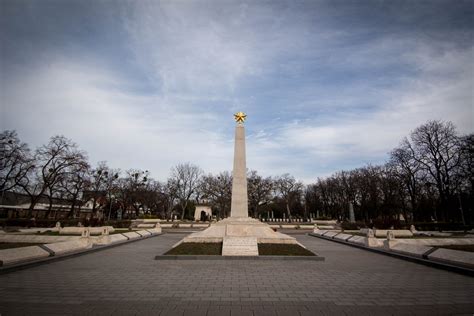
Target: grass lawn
215	249
283	250
197	249
50	233
8	245
458	235
120	231
357	234
469	248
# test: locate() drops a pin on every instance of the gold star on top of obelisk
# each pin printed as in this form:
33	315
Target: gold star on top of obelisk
240	117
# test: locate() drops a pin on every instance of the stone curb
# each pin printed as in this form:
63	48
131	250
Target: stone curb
210	257
424	261
33	263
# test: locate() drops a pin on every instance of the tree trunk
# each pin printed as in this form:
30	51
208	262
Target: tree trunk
33	201
183	210
71	210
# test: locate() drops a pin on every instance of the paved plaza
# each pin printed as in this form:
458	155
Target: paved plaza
126	280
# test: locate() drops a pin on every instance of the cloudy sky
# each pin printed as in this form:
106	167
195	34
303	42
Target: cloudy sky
327	85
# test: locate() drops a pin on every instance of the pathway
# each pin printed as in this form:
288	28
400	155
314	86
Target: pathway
125	280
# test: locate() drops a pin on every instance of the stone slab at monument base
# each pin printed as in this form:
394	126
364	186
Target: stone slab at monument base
240	236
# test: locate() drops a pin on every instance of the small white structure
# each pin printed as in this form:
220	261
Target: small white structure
201	212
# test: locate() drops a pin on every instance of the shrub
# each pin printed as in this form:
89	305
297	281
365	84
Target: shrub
387	223
125	223
352	226
148	216
440	226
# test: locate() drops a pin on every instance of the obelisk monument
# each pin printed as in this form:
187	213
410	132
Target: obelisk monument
239	205
239	234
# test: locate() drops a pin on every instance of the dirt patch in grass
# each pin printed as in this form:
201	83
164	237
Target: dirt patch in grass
8	245
283	250
200	249
469	248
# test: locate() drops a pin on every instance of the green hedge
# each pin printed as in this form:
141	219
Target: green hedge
353	226
47	223
442	226
387	223
125	223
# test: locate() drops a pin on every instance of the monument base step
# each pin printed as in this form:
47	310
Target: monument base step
239	246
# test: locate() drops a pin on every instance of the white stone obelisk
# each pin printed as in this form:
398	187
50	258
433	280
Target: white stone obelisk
239	233
239	206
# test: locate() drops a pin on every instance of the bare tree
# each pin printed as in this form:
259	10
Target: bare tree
100	182
312	199
72	183
111	187
15	161
409	171
154	197
170	195
186	177
289	190
133	189
218	189
436	147
52	162
259	191
466	171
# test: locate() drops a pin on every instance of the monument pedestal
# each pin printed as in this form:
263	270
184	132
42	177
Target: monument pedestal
240	236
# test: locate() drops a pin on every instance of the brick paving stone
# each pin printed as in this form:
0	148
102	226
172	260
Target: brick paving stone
126	280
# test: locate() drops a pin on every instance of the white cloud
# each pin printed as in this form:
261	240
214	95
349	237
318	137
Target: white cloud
443	90
187	48
69	98
344	97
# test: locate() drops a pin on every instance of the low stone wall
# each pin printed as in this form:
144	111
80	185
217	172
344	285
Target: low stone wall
449	256
80	230
200	225
35	238
132	235
143	233
359	240
434	241
59	245
342	236
416	247
325	222
327	227
330	233
145	225
60	248
24	254
117	238
398	233
286	226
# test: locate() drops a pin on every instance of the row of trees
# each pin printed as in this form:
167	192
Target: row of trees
60	171
428	177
